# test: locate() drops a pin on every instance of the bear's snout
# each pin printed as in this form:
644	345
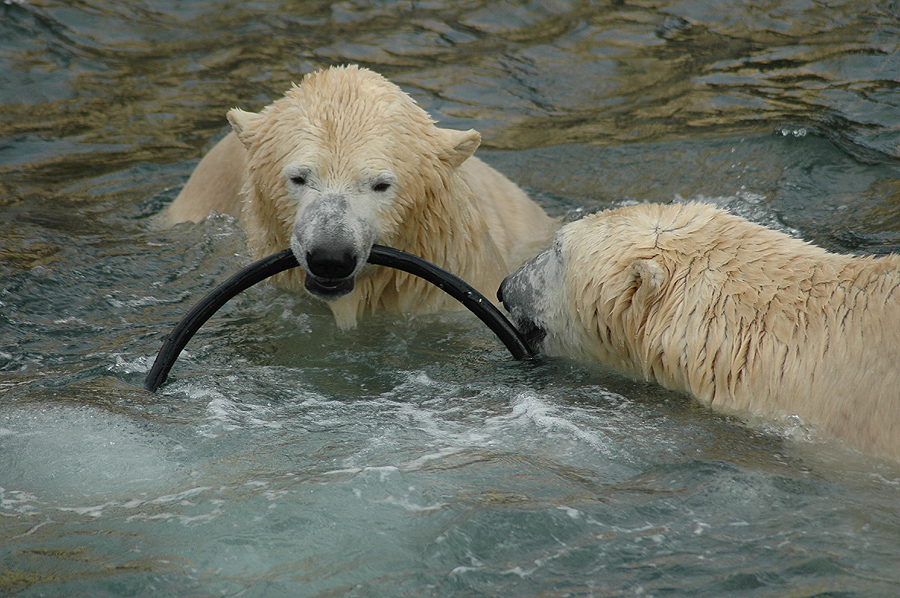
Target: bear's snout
517	301
331	241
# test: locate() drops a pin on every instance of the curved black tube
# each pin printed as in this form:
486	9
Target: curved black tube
285	260
206	307
457	288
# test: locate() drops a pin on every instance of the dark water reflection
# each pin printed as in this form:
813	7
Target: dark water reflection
151	84
411	456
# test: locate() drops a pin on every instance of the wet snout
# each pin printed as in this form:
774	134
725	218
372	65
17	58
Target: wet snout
516	301
332	244
524	294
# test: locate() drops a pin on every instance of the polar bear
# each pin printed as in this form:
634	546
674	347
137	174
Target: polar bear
346	160
746	319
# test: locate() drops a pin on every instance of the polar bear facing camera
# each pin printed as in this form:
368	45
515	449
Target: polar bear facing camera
346	160
746	319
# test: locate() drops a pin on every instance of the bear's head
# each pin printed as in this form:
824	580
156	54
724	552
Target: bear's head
606	281
338	164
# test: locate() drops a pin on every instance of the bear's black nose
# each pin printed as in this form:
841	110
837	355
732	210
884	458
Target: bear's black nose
500	290
331	263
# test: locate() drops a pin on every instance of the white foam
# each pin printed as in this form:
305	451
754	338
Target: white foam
548	416
138	365
406	504
82	451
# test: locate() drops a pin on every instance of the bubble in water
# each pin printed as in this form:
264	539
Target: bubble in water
791	132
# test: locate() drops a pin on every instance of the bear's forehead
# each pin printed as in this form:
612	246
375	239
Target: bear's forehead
652	224
341	152
605	243
607	233
361	128
354	102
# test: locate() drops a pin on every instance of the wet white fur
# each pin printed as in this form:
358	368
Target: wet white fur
746	319
374	169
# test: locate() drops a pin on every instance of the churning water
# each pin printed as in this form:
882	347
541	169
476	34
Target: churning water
414	457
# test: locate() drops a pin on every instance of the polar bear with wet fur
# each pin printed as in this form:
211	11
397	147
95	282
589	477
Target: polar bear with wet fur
748	320
346	160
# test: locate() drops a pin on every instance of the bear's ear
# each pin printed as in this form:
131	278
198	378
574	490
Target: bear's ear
648	277
242	122
460	145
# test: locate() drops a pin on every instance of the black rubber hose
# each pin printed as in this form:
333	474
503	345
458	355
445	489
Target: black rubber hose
457	288
285	260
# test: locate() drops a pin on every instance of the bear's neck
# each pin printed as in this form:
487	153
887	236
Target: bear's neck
448	230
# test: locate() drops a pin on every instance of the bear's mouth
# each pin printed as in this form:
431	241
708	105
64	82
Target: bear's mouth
532	334
328	289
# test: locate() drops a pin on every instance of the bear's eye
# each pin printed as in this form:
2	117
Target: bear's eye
298	179
381	186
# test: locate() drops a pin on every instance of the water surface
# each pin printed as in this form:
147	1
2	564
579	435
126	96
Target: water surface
413	456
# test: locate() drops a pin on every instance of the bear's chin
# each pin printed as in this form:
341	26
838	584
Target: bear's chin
533	334
328	289
534	337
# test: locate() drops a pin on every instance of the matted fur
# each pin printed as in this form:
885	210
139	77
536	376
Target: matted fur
347	124
746	319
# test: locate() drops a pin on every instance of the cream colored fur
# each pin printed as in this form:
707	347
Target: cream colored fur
746	319
347	124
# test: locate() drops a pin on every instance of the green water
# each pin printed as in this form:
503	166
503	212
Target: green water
414	457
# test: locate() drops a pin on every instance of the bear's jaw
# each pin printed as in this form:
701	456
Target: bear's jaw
328	289
533	335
